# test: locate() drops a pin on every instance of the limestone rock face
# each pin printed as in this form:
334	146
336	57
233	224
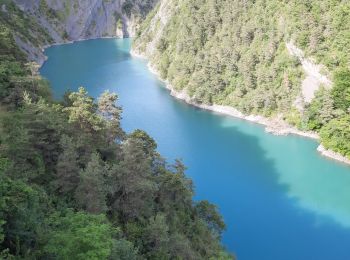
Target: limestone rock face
145	44
72	20
85	19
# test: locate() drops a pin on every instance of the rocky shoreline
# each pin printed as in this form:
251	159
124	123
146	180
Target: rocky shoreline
275	126
331	154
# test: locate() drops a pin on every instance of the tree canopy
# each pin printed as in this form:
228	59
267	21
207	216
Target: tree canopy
74	185
234	53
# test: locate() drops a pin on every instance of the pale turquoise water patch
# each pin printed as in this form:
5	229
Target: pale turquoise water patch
279	197
314	182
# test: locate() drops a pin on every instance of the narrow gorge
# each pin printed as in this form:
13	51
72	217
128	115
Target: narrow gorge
174	129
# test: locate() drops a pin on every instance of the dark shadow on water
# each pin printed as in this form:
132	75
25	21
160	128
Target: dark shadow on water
229	166
262	219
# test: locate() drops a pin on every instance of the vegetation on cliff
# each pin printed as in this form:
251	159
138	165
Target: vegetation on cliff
74	185
234	53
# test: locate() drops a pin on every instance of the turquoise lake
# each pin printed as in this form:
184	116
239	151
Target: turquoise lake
280	199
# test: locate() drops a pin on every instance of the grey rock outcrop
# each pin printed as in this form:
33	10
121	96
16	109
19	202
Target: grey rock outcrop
71	20
83	19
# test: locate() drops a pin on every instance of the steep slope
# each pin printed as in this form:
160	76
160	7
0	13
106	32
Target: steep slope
74	185
272	58
27	33
79	19
70	20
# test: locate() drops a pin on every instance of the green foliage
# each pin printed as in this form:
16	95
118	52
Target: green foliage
79	236
156	237
330	111
321	110
91	192
209	213
133	188
67	168
56	162
109	110
31	139
147	142
246	66
18	23
234	53
22	211
137	7
335	135
82	111
16	75
73	185
123	250
341	89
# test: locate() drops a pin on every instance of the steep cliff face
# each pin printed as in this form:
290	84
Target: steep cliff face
81	19
152	29
70	20
27	33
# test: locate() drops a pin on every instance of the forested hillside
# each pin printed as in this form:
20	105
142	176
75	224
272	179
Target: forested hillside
74	185
234	53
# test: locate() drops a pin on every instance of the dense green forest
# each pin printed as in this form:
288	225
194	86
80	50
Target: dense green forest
233	52
74	185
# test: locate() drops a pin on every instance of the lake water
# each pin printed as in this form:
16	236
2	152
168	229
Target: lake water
280	199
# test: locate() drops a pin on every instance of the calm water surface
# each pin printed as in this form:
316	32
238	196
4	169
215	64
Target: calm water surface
280	199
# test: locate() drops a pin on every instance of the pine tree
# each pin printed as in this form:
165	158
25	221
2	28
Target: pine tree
67	169
91	191
82	112
112	113
134	189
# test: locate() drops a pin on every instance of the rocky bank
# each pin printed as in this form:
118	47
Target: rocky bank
276	126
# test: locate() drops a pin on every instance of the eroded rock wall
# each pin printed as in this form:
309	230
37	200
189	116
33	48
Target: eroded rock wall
71	20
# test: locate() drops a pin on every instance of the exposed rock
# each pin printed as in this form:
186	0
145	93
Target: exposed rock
314	78
80	19
158	23
333	155
71	20
34	54
275	126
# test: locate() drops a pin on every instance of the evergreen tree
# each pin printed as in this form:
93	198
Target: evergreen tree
134	190
112	113
341	89
91	191
67	169
156	237
82	111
